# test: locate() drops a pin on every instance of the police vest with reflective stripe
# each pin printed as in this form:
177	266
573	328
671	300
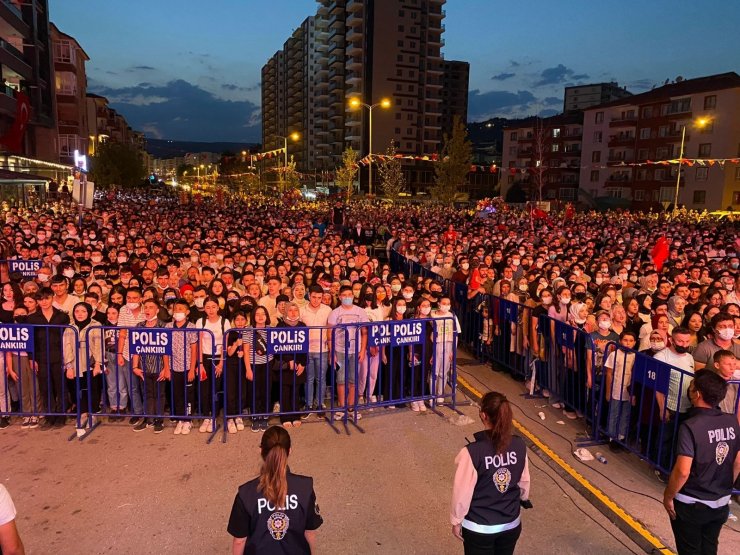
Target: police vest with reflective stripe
496	495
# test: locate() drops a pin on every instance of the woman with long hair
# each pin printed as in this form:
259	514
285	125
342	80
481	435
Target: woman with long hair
276	511
491	481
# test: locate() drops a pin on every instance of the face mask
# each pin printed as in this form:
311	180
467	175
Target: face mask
401	310
425	310
408	296
680	349
657	345
199	302
152	319
564	300
438	262
43	278
599	281
465	266
605	324
68	273
546	301
347	301
726	334
132	306
515	262
444	308
729	286
395	288
97	259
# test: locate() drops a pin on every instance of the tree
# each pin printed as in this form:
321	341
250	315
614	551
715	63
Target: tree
344	176
451	172
290	178
392	180
540	151
117	164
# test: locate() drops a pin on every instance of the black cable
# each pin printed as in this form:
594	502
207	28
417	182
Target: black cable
580	508
570	442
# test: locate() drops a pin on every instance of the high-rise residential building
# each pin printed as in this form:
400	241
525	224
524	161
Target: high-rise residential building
26	67
542	156
624	139
70	85
454	93
366	50
580	97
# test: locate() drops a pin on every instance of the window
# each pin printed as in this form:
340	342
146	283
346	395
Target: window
512	150
647	112
639	194
645	133
555	148
556	133
594	176
737	173
400	28
597	136
642	154
397	130
614	192
513	136
599	117
399	43
679	106
398	86
667	194
642	175
702	174
399	58
700	197
64	51
596	156
736	197
710	102
68	144
659	174
551	194
66	83
705	150
567	193
663	130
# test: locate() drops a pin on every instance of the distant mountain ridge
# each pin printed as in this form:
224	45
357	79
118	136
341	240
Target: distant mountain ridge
163	148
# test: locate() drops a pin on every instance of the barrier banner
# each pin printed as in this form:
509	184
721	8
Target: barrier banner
281	341
27	268
16	338
379	334
395	334
649	373
157	341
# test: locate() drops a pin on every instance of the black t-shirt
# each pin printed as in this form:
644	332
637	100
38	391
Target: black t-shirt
275	530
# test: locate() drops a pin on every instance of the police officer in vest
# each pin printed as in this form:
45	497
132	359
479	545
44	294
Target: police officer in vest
491	481
277	511
698	494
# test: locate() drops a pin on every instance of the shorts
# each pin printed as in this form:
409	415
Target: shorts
351	370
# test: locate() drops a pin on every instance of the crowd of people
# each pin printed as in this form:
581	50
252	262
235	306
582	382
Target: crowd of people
137	260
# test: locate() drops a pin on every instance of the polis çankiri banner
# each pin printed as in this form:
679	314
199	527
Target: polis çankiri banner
27	268
287	341
395	333
156	341
16	338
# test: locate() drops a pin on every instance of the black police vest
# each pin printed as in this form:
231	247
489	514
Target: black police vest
280	530
716	444
496	495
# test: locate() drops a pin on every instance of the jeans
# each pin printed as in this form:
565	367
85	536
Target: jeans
135	388
316	374
117	382
697	528
442	367
502	543
368	375
619	418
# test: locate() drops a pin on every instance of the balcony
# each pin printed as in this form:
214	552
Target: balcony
354	48
620	158
13	58
437	14
354	6
354	20
354	63
619	178
336	74
623	121
355	34
621	139
336	60
353	78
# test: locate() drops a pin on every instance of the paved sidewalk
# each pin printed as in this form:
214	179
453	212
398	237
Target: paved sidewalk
622	472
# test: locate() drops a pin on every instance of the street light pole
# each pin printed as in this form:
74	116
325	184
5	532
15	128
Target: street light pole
678	177
384	103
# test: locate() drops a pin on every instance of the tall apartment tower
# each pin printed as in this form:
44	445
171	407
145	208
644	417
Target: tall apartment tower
454	93
369	50
580	97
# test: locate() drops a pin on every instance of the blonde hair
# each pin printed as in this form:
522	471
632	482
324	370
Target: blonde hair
273	481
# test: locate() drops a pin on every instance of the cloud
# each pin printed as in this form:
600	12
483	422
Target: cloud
548	112
503	76
640	85
558	75
231	87
552	101
482	105
141	68
179	110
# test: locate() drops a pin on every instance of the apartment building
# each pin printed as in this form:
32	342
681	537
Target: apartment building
455	80
622	136
70	86
106	124
542	156
26	67
581	97
366	50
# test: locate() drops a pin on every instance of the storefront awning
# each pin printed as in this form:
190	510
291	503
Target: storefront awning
8	176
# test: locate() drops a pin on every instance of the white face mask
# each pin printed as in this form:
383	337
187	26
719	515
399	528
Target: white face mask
408	296
605	324
425	310
178	316
465	265
199	302
726	334
546	301
401	309
43	278
444	308
657	345
523	287
68	273
97	259
564	300
132	306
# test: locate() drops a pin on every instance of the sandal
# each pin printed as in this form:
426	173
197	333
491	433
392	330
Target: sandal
297	423
287	424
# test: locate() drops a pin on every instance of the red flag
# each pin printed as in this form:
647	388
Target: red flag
569	212
659	254
13	139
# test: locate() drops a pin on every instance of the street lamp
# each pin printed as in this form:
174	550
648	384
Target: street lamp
699	124
356	103
294	136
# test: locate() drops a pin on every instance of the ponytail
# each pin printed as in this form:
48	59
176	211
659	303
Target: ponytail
497	409
273	481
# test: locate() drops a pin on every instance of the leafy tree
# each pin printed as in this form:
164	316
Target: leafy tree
344	176
392	180
290	177
451	172
182	168
117	164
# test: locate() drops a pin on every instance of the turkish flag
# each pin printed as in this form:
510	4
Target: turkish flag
13	139
659	254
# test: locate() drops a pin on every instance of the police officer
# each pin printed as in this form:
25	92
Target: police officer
277	511
491	481
698	493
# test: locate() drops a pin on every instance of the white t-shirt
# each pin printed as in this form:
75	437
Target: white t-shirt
352	315
678	384
316	318
218	335
7	509
622	374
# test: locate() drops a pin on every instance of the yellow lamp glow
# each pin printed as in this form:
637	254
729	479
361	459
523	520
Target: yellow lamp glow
295	136
385	103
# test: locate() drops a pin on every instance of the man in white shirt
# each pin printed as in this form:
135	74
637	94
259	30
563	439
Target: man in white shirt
62	299
10	540
269	301
316	314
128	317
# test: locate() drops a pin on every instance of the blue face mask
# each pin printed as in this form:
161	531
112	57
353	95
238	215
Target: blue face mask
347	301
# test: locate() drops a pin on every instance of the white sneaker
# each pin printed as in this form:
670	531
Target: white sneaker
414	406
276	407
186	427
373	398
361	400
231	425
422	406
440	400
206	426
239	423
338	416
178	428
352	414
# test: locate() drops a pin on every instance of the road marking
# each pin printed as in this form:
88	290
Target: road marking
657	544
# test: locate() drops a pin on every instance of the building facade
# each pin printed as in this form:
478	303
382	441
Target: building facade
581	97
455	80
622	136
26	67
